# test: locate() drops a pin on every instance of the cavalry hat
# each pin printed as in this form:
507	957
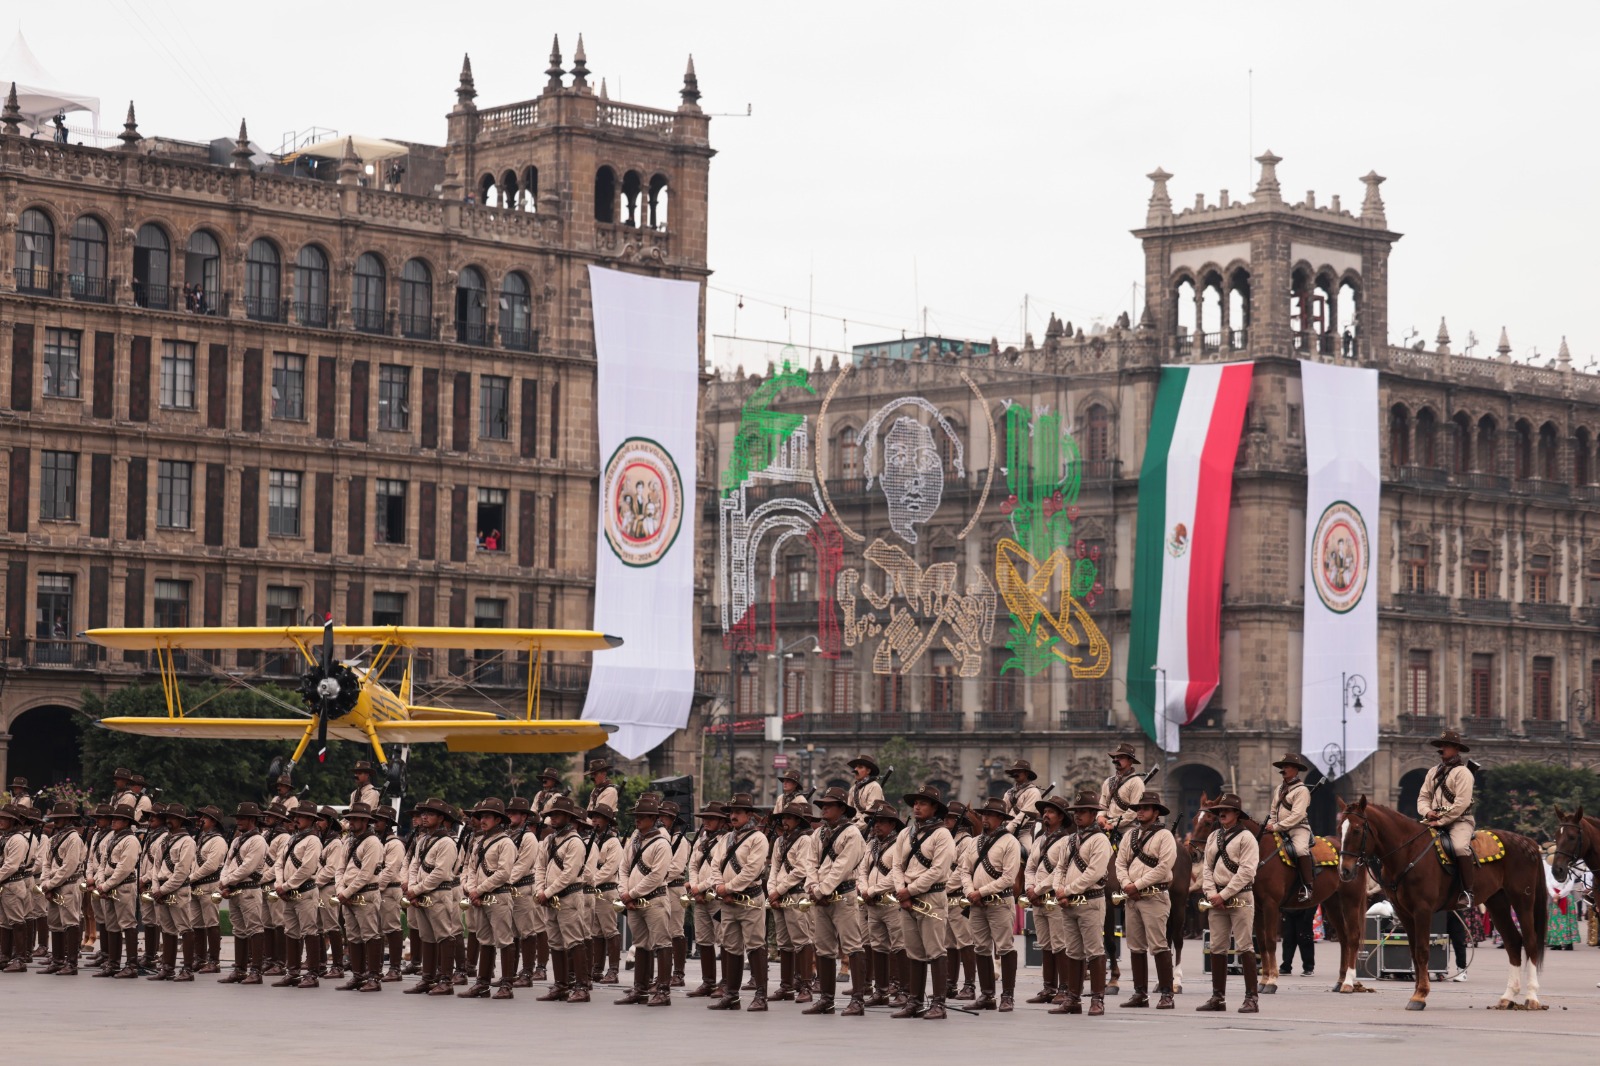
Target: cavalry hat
19	782
796	808
712	809
549	774
122	773
929	793
158	810
305	810
359	810
437	806
385	814
838	797
362	767
283	779
648	805
1452	738
1294	759
791	776
993	805
62	810
863	760
1057	802
672	810
247	810
276	810
176	810
1152	798
599	766
1228	801
956	809
137	779
563	805
13	812
519	803
1088	800
1022	766
208	811
327	812
603	810
493	805
885	811
740	801
1125	751
124	811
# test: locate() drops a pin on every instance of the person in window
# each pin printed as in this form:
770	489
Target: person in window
199	300
492	541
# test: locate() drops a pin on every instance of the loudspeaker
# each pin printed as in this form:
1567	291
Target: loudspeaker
679	790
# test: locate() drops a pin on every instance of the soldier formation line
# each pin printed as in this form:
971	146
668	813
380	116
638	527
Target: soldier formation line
920	910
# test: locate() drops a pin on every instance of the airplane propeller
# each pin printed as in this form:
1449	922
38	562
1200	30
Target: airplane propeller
329	688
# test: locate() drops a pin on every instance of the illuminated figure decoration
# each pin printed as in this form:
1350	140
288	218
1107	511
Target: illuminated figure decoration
911	473
918	606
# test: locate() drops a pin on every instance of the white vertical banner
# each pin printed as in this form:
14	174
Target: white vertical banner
647	346
1343	481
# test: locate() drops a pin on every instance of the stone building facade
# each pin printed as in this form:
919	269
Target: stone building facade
1488	553
232	395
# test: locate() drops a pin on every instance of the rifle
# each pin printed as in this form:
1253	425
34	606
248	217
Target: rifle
1044	795
884	780
1149	775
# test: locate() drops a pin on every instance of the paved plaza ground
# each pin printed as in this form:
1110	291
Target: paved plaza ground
50	1020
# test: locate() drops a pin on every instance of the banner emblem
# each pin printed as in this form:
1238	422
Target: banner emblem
1178	543
1341	557
643	501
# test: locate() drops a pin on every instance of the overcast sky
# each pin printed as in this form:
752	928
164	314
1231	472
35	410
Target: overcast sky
949	159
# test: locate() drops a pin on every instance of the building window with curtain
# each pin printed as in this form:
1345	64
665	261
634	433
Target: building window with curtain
86	266
494	407
1541	702
177	375
368	299
283	503
61	378
1419	680
58	486
1480	686
394	397
311	287
289	386
262	282
174	494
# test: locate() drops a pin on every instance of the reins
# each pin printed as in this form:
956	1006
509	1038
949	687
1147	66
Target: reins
1374	863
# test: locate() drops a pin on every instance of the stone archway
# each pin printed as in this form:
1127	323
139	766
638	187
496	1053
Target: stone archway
45	746
1410	788
1188	783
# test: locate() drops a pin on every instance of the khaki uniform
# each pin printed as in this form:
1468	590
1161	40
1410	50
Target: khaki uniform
927	855
273	909
367	794
527	918
836	926
606	795
357	884
296	882
1020	802
1146	859
705	860
333	857
170	885
1291	810
1049	926
390	874
241	876
792	859
740	865
39	852
542	800
1080	889
1229	870
211	851
991	870
863	795
487	875
645	869
676	881
18	800
1446	796
432	879
140	803
1119	795
118	878
98	840
959	932
875	880
16	860
561	858
601	871
62	871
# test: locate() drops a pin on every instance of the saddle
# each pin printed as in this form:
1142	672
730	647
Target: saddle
1324	852
1486	847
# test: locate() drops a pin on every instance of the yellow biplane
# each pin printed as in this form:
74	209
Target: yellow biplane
347	701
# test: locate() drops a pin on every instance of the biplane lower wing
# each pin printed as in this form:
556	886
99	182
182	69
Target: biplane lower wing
505	736
223	728
289	637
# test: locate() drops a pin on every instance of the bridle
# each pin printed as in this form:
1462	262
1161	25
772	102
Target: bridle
1572	859
1374	863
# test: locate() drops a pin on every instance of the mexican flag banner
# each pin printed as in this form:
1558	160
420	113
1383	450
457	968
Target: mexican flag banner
1184	491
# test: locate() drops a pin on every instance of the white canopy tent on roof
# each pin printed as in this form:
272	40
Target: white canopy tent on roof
367	149
35	96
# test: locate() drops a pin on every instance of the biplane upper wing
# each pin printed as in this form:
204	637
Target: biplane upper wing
506	736
286	637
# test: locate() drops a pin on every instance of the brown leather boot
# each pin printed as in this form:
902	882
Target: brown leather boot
1251	1004
1071	987
613	945
370	954
1139	962
525	951
1164	980
312	962
508	969
918	982
169	959
58	951
661	994
427	959
480	989
557	992
643	964
937	980
1008	982
805	974
578	973
1219	983
395	940
861	982
69	962
357	968
969	969
985	997
732	976
680	959
1097	986
708	972
414	967
335	968
541	956
828	976
880	981
241	955
785	990
758	980
1047	994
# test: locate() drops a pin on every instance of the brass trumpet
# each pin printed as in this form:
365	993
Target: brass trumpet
638	905
1118	898
1048	901
796	901
924	908
704	897
466	901
1233	904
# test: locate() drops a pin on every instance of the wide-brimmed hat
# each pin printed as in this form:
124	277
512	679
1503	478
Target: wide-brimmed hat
122	773
176	810
863	760
1227	801
125	811
276	810
603	810
993	805
1294	759
713	809
796	808
791	776
740	801
327	812
836	795
550	774
1125	750
1087	800
672	810
887	811
563	805
157	810
956	809
20	782
62	810
1151	798
599	766
492	805
359	810
384	813
137	779
305	810
283	779
435	805
649	806
1452	738
519	804
1022	766
13	811
363	766
1058	803
208	811
248	810
931	794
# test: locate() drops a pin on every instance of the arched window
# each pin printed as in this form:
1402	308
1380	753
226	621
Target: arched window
657	218
509	192
605	195
849	455
311	286
152	267
1238	309
262	280
1462	440
202	274
1523	451
1549	464
1399	436
36	252
86	269
529	196
472	307
1097	434
368	298
516	313
1488	445
416	300
488	195
1582	458
1427	439
632	187
1184	311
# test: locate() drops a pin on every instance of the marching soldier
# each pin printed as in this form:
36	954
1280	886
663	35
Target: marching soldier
791	860
116	884
1049	925
1445	804
19	792
1144	872
549	789
1021	798
149	860
885	946
60	888
413	965
702	879
38	908
283	789
865	791
740	864
98	839
15	870
677	879
1118	793
171	901
602	872
356	891
1291	809
527	920
295	881
788	790
390	873
604	793
1227	879
1080	891
486	881
430	886
989	876
561	885
211	851
334	850
921	879
646	866
365	791
836	913
962	956
274	815
466	953
240	885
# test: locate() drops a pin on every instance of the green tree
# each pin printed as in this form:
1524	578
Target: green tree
228	772
911	770
1522	796
629	788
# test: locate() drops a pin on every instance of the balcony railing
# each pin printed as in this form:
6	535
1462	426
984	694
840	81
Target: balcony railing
371	320
1544	729
1320	343
49	654
37	280
1548	613
1420	475
313	315
1484	482
1483	726
179	298
1084	721
419	327
266	309
1420	725
1101	469
471	332
1422	603
519	340
89	289
1000	721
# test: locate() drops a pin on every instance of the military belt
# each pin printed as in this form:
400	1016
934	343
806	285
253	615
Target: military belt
608	886
243	885
659	890
209	879
570	889
17	877
523	882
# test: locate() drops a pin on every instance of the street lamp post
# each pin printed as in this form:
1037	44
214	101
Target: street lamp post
1351	688
783	655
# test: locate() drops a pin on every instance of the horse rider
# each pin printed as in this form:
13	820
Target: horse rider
1290	811
866	791
1445	805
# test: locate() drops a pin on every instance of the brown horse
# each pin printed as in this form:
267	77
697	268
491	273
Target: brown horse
1343	903
1578	840
1400	852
